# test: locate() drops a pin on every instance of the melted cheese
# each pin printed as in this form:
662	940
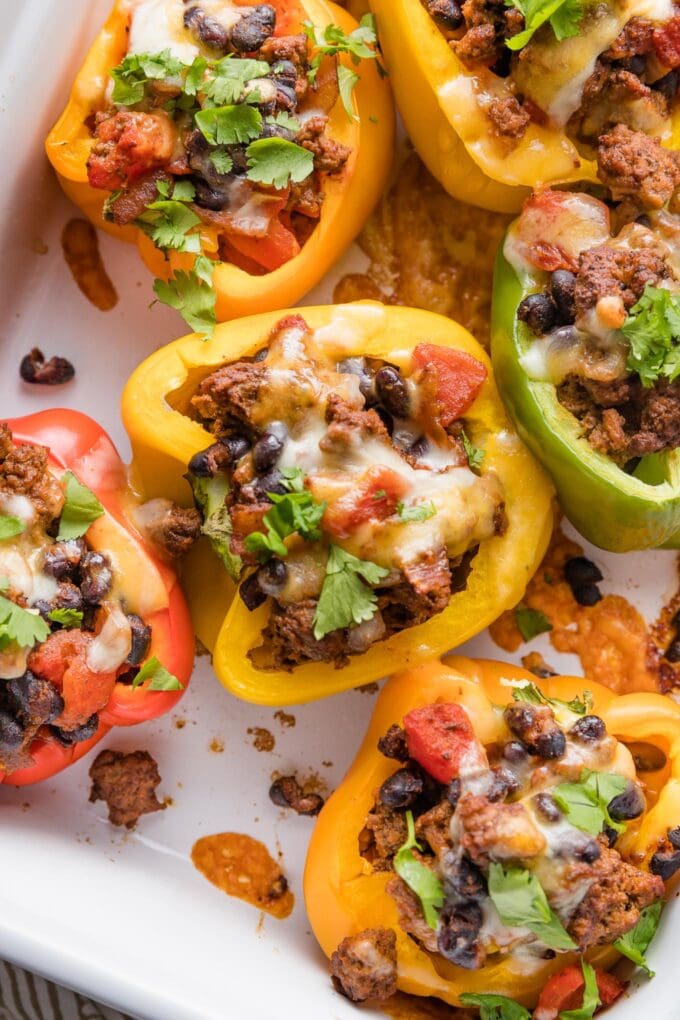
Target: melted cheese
158	25
112	645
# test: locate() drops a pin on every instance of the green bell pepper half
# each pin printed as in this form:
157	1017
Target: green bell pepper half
611	508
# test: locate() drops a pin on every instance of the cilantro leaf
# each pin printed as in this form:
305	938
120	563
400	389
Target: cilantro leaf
66	617
417	512
192	295
295	511
591	996
132	74
586	802
284	120
347	79
531	693
475	455
228	78
345	599
531	622
520	901
195	78
332	40
209	495
653	332
81	508
495	1007
277	162
222	161
634	943
420	879
168	222
10	526
229	125
293	479
20	625
564	17
160	679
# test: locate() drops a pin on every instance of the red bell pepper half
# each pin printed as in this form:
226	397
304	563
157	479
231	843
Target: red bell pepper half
78	444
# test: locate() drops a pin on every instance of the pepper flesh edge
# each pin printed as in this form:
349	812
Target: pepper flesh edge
164	439
610	508
348	200
344	896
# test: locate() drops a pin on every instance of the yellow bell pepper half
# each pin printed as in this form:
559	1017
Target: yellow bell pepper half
344	895
348	198
164	439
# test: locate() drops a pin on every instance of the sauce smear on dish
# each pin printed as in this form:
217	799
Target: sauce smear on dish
243	867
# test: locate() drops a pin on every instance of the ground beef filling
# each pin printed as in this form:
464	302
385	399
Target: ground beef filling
127	783
461	832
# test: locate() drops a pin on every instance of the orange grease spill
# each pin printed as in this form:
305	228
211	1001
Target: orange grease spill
243	867
611	638
263	740
81	251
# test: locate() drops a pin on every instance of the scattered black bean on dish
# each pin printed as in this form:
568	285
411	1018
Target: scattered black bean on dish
34	368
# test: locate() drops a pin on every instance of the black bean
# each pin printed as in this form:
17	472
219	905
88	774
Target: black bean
251	594
464	880
207	29
419	447
11	732
34	698
141	639
674	837
578	571
665	863
644	220
393	744
539	313
392	391
258	489
587	850
35	369
504	782
359	368
269	447
206	463
446	13
96	577
253	28
514	752
286	98
587	594
262	354
236	447
562	287
401	789
68	597
286	71
62	558
550	745
588	729
673	652
209	195
611	835
272	576
286	792
453	792
547	807
77	735
668	85
627	805
503	66
386	418
458	937
637	65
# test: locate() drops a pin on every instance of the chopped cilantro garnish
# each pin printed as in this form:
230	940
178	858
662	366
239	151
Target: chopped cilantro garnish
586	803
229	125
423	881
564	17
222	161
591	996
10	526
653	332
634	944
81	508
293	479
347	79
495	1007
192	295
66	617
132	74
228	77
520	900
20	626
345	599
333	40
475	454
416	512
295	512
277	162
195	79
531	622
160	679
285	121
531	693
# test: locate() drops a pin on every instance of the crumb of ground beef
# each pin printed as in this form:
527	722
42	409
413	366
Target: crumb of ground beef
286	792
384	832
329	156
127	783
411	918
631	163
24	472
175	528
230	393
509	118
434	827
364	966
605	270
504	831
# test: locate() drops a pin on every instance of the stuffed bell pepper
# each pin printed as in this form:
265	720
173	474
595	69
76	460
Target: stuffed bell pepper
500	99
94	630
498	840
358	480
586	344
242	145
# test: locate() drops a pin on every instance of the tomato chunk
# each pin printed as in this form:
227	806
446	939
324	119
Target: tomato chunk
438	737
278	247
564	991
128	145
458	378
62	660
666	43
373	498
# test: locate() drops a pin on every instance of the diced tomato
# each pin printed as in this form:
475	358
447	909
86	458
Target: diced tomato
564	991
276	249
373	498
130	144
556	226
666	43
458	378
62	660
438	737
